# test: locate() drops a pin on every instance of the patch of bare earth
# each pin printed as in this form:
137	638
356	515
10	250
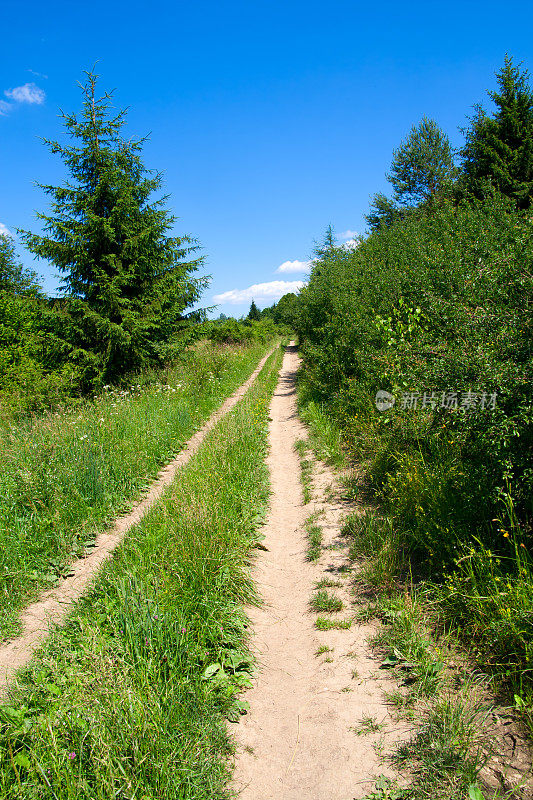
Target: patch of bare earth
54	605
303	736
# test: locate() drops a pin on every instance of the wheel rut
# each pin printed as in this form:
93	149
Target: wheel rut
54	605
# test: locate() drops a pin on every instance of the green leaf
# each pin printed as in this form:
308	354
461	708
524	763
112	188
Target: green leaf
474	792
211	670
22	761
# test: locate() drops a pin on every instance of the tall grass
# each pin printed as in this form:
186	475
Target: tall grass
130	699
65	475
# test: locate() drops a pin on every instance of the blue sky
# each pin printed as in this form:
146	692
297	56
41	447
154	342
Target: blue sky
269	120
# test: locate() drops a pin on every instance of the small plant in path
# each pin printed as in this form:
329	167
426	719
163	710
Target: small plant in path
368	725
324	601
324	624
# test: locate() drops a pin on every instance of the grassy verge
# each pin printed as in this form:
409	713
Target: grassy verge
65	475
130	699
442	691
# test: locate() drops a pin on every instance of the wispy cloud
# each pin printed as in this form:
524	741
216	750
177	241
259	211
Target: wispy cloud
294	266
272	290
27	93
4	108
4	230
349	234
38	74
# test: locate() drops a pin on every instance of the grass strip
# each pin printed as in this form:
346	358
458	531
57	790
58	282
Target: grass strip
66	475
130	699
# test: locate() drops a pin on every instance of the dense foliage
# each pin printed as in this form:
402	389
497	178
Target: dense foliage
436	308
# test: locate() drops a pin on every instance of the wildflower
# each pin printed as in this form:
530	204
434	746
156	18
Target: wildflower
184	630
72	756
505	535
522	544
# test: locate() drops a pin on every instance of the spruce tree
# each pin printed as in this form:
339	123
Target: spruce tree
127	283
499	149
254	313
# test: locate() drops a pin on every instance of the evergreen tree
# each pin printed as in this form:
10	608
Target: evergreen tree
499	150
422	165
127	282
254	313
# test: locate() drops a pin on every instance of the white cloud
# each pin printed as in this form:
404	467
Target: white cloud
349	235
28	93
351	244
4	108
294	266
272	290
4	230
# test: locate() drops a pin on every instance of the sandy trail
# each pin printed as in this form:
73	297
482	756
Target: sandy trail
298	739
55	604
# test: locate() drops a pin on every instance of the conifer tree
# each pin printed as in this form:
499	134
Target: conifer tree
254	313
127	283
499	150
327	244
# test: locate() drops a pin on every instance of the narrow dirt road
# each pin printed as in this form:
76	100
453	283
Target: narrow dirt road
300	739
54	605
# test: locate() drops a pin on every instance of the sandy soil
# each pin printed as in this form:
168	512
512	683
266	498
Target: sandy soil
54	605
299	737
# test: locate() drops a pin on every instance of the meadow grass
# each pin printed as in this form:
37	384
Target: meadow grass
448	747
130	699
66	475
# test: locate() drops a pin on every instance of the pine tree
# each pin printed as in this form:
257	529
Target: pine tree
254	313
127	283
499	150
422	165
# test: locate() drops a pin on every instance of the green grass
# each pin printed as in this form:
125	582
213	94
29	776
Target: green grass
130	699
325	437
367	725
66	475
325	624
314	538
327	583
325	601
448	751
306	469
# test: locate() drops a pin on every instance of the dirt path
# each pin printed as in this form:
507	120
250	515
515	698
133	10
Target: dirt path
299	739
54	605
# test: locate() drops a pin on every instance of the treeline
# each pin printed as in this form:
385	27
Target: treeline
435	308
129	288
